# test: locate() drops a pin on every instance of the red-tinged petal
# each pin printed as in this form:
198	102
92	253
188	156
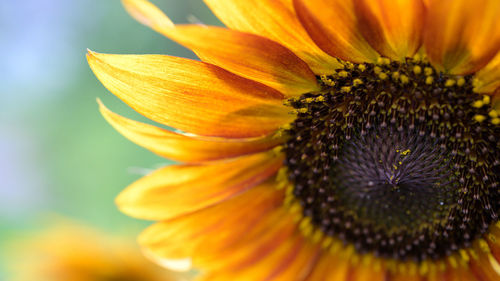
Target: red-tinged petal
482	263
460	273
262	239
409	276
179	189
493	240
206	233
462	36
488	78
183	148
289	256
254	257
248	55
276	20
192	96
392	27
333	25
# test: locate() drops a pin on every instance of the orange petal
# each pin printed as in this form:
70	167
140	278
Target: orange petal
330	268
460	273
488	78
462	36
493	239
262	239
192	96
333	25
248	55
179	189
366	270
427	3
276	20
482	263
183	148
392	27
290	259
208	232
414	276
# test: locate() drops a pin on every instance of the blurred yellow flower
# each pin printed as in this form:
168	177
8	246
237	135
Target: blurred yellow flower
71	252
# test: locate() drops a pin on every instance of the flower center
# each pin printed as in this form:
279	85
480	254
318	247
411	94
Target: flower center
396	159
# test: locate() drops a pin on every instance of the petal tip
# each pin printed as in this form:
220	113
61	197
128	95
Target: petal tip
147	13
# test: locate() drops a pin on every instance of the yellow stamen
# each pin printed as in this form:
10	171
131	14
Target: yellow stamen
404	79
479	118
486	99
450	83
356	82
345	89
382	76
478	104
429	80
460	82
417	69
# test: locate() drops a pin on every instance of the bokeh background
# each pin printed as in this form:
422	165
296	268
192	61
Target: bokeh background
58	157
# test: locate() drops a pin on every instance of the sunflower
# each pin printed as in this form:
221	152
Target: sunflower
68	251
320	139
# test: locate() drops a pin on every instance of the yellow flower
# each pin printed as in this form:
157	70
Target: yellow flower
324	139
71	252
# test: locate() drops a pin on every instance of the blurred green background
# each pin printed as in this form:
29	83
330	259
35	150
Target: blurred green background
57	154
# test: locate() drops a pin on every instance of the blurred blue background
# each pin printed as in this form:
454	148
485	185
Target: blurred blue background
57	154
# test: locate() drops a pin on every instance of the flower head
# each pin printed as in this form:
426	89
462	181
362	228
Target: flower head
328	139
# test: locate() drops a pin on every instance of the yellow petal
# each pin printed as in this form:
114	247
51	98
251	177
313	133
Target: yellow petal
147	13
488	78
179	189
462	36
333	25
276	20
183	148
192	96
206	233
247	55
392	27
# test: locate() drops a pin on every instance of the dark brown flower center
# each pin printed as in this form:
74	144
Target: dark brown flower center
396	159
